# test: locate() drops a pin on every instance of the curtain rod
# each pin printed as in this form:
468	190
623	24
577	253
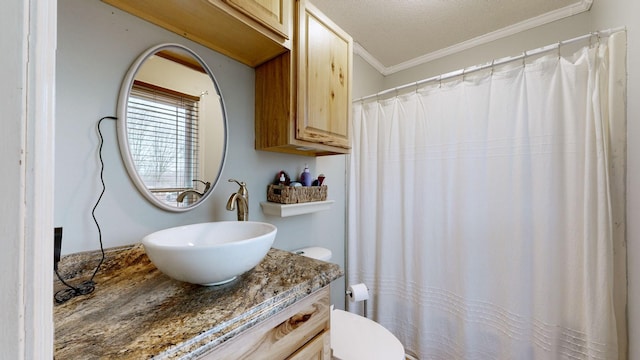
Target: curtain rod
471	69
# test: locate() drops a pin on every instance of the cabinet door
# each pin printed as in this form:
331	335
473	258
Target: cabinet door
324	79
274	14
317	349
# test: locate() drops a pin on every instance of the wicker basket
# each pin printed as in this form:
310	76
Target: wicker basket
296	194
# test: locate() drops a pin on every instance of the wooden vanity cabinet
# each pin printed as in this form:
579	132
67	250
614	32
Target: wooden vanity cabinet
250	31
319	348
300	331
303	97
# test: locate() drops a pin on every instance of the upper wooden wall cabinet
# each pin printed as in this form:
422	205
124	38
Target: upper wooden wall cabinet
303	64
303	97
250	31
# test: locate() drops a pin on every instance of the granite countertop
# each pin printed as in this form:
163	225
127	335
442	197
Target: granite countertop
137	312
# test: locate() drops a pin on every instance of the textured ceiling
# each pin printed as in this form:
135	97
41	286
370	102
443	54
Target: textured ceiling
396	34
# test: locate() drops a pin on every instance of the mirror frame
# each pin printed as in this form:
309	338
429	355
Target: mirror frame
123	139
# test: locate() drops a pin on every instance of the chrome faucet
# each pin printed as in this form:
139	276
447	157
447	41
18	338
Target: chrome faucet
183	194
240	199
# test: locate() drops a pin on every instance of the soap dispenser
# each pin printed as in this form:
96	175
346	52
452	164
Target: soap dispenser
305	177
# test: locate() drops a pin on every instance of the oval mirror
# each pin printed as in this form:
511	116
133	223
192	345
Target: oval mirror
172	127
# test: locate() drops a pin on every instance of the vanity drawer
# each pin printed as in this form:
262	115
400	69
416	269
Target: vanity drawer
317	349
283	334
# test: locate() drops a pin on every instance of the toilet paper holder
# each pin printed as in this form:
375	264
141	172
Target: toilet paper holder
357	293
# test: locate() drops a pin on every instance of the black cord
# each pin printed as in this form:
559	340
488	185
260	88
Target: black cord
87	287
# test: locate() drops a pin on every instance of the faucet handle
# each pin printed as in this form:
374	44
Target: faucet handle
238	182
243	187
206	184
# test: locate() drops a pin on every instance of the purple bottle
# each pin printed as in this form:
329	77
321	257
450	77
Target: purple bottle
305	177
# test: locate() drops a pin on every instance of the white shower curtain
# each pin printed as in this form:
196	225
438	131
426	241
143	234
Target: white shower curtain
484	212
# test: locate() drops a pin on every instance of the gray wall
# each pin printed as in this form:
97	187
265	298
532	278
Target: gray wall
96	45
367	80
603	15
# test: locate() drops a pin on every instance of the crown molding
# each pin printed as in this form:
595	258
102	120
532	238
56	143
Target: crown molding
366	56
582	6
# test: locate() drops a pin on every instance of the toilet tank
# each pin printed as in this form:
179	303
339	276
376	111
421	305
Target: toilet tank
314	252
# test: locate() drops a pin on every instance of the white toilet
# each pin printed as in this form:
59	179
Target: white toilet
354	337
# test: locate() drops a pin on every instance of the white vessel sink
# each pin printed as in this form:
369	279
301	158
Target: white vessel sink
211	253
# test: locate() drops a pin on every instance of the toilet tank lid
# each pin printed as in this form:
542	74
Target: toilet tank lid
314	252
